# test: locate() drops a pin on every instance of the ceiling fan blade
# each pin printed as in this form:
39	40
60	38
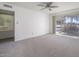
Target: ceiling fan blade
46	3
43	8
50	3
50	9
53	6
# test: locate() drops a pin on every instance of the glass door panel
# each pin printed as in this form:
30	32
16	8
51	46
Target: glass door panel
69	25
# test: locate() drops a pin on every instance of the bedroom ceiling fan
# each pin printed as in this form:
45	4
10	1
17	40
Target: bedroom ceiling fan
47	5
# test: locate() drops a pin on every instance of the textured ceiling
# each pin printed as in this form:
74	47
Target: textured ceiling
63	6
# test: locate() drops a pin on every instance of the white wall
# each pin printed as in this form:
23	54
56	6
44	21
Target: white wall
30	23
51	24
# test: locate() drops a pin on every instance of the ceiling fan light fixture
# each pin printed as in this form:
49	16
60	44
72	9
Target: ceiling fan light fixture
47	5
49	9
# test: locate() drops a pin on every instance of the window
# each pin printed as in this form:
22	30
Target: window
67	20
74	19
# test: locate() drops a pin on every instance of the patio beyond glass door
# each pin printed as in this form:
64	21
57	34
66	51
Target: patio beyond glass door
68	26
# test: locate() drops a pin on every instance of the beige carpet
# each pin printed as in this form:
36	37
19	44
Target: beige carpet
42	46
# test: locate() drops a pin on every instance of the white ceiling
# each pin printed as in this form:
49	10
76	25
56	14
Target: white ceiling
63	6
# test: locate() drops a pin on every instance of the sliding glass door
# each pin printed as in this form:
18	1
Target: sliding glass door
69	25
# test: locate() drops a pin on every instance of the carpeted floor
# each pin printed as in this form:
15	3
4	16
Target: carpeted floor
42	46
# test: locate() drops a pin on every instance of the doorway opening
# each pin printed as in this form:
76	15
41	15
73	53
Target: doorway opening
6	25
67	25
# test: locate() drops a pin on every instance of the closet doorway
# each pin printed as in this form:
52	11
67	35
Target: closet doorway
6	25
